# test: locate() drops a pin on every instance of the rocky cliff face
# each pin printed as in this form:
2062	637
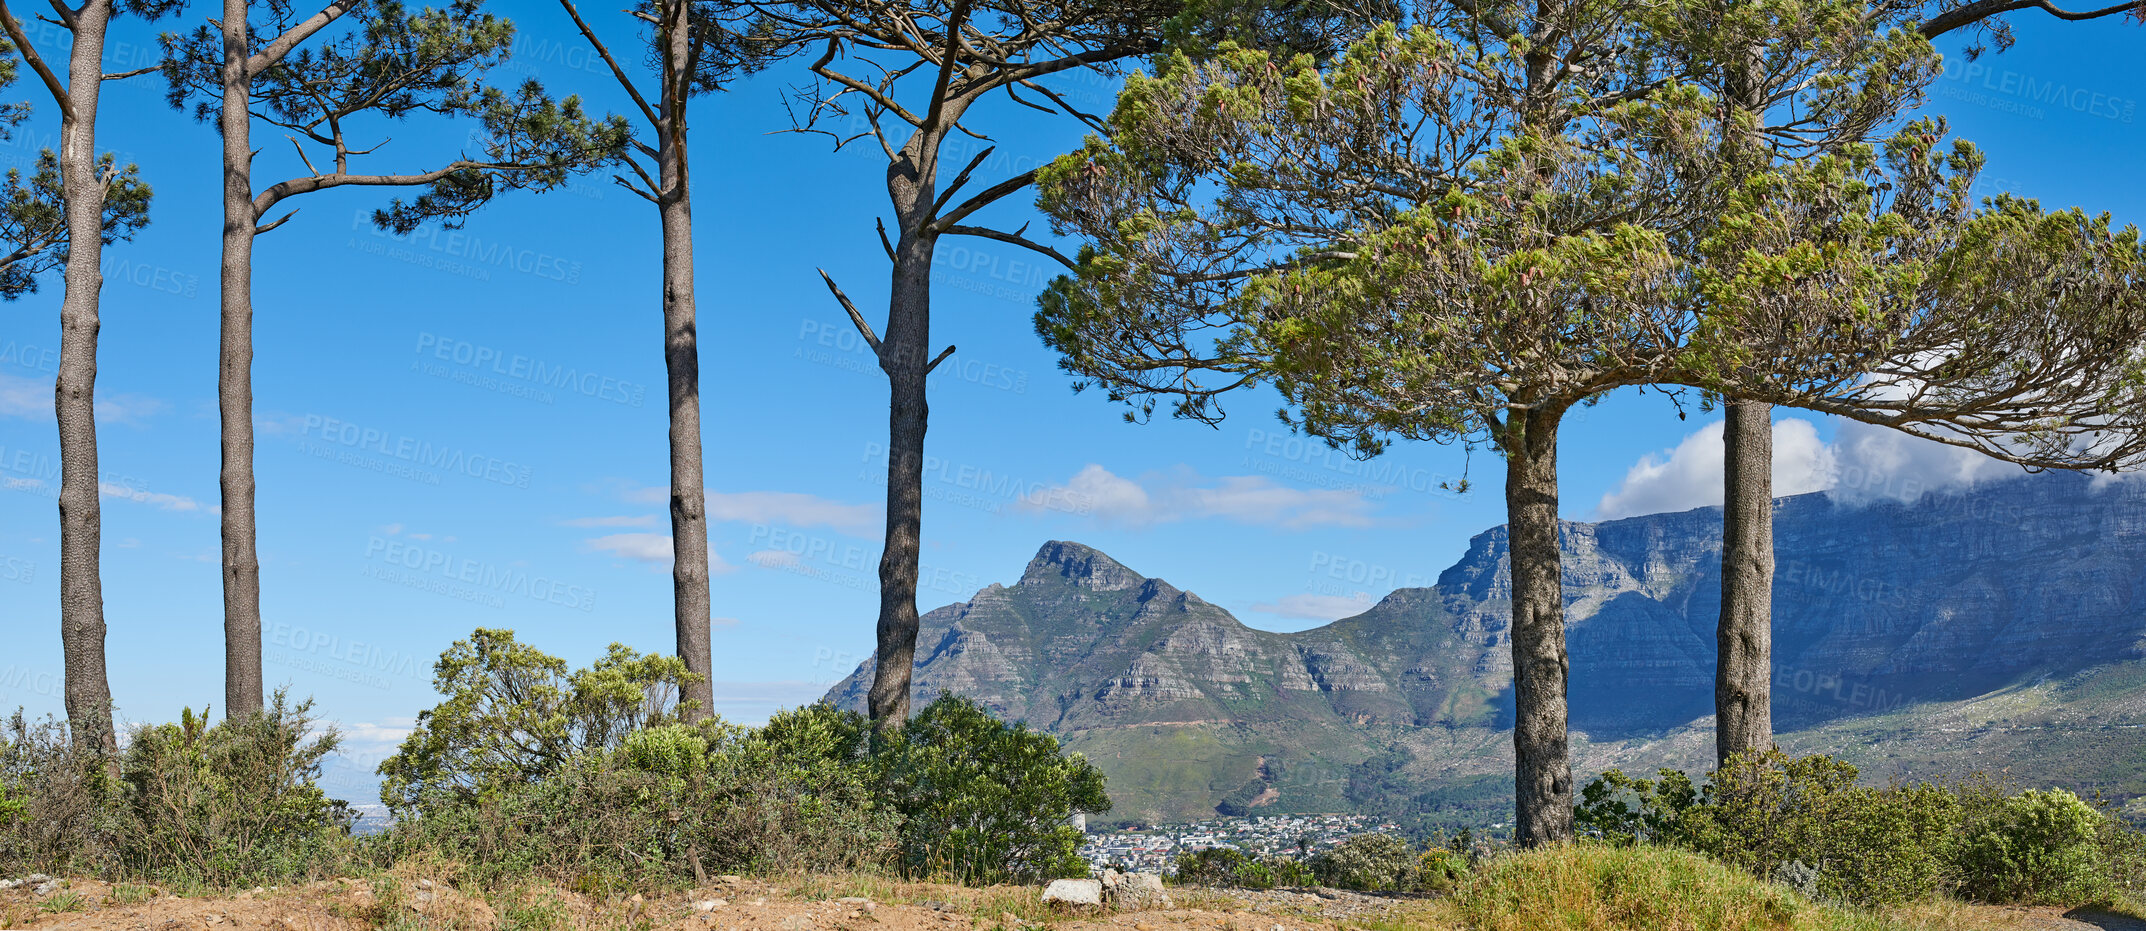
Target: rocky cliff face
1877	608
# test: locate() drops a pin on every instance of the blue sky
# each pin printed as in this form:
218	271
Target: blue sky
524	351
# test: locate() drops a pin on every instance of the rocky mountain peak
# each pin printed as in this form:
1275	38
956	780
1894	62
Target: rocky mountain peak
1080	564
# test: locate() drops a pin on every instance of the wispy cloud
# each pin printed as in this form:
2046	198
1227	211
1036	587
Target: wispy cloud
786	508
158	500
643	520
1183	494
652	548
25	397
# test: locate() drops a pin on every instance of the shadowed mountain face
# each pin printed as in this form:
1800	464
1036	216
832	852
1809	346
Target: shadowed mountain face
1880	609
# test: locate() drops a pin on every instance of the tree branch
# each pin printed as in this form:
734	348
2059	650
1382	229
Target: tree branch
985	198
1014	238
1983	9
647	112
280	46
941	357
37	62
870	338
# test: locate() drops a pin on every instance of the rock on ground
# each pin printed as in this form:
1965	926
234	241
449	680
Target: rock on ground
1077	892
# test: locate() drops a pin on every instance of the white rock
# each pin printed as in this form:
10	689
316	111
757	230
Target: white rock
1076	892
1134	890
709	905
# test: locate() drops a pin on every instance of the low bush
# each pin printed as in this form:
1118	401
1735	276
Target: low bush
2042	848
1368	863
514	715
666	806
61	814
233	804
1805	823
1226	867
1441	870
985	801
1592	887
587	777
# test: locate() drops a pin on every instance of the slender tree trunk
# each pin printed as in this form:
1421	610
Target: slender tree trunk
903	357
1743	674
1543	773
1743	698
681	362
88	692
234	383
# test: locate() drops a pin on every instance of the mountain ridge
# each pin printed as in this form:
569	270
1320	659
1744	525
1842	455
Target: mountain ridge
1880	607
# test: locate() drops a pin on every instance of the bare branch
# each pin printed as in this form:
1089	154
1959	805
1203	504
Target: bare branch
1014	238
279	221
941	357
987	197
870	338
37	62
1983	9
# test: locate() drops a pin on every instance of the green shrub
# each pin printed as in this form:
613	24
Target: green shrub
1224	867
2038	848
667	806
1621	810
65	812
1368	863
1765	812
588	777
1590	887
985	801
514	714
236	803
1440	870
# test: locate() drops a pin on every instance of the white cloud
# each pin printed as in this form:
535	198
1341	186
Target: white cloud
722	622
653	548
643	520
25	397
129	408
752	702
1690	476
366	737
1863	463
641	547
158	500
1878	462
32	397
1317	607
1183	494
787	508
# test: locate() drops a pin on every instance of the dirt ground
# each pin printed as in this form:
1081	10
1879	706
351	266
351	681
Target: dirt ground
411	903
727	904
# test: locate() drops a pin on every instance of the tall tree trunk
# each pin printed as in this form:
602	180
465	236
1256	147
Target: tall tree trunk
1543	772
903	357
1743	673
87	690
1743	698
234	383
681	362
912	186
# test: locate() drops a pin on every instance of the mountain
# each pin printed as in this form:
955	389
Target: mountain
1999	628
